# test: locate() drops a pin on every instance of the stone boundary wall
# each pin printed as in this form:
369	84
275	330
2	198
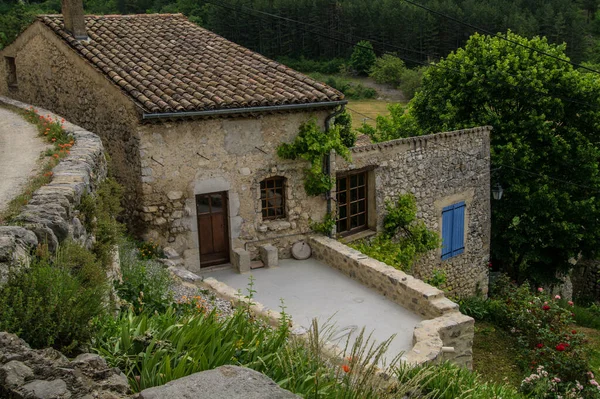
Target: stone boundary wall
446	335
439	170
50	215
586	280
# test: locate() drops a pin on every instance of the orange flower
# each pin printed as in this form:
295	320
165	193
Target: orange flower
53	139
346	368
55	155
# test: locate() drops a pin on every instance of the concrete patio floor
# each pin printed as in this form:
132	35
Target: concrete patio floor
311	289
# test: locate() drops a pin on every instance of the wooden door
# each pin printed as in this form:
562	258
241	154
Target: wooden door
213	235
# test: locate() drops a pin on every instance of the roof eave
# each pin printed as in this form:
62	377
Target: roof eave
244	110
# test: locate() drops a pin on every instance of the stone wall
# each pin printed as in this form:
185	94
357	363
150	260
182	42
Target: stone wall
586	280
446	335
51	75
50	216
439	170
182	159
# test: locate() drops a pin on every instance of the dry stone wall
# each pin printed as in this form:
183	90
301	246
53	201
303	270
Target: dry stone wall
50	216
446	335
439	170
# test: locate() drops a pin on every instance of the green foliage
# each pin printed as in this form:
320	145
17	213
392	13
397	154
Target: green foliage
411	80
351	90
312	145
388	70
543	329
448	381
363	57
398	124
148	250
344	122
53	302
438	278
541	223
326	67
324	227
146	283
98	212
404	237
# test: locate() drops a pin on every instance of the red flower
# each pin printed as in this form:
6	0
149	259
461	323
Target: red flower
346	368
546	307
540	345
573	332
560	347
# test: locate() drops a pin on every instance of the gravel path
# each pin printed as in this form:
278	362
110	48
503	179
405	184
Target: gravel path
20	149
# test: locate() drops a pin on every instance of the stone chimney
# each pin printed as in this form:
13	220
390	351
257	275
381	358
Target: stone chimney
72	11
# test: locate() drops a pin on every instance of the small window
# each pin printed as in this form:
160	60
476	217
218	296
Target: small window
351	203
11	68
453	230
272	198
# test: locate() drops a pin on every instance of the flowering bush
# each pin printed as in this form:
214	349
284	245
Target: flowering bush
543	385
545	335
149	250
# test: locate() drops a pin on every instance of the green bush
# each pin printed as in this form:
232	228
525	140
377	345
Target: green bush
53	302
363	57
410	81
399	123
347	134
388	70
302	64
148	250
404	237
146	283
351	90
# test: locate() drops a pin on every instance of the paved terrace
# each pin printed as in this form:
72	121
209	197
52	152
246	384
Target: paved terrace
311	289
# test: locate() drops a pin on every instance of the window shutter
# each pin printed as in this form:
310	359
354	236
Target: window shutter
447	216
458	229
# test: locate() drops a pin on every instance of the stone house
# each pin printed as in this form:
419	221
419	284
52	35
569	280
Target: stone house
192	122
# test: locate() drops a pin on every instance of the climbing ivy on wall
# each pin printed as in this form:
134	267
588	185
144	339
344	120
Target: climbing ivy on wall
312	144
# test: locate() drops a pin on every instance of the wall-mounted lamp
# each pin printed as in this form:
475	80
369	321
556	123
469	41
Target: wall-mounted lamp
497	191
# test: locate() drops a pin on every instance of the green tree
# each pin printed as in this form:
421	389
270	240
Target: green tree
546	117
388	69
363	57
399	123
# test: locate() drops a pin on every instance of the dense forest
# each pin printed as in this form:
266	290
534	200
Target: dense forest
327	29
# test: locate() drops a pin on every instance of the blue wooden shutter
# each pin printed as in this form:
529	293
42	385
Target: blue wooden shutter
447	216
458	229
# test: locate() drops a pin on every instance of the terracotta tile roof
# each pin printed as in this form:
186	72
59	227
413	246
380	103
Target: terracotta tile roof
168	64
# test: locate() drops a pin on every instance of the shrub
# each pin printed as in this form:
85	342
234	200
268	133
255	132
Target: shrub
543	330
99	213
302	64
399	123
347	134
388	70
351	90
404	237
363	57
148	250
410	81
53	302
146	283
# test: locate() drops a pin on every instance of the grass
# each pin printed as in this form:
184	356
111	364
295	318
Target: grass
494	355
593	336
367	109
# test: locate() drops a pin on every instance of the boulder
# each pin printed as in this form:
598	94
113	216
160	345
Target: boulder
225	382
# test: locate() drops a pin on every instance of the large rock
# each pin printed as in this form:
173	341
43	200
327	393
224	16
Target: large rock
48	374
225	382
16	244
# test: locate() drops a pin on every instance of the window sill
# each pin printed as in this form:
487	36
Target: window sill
275	225
360	235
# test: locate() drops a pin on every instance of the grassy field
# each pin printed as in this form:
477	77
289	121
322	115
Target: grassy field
366	110
494	355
